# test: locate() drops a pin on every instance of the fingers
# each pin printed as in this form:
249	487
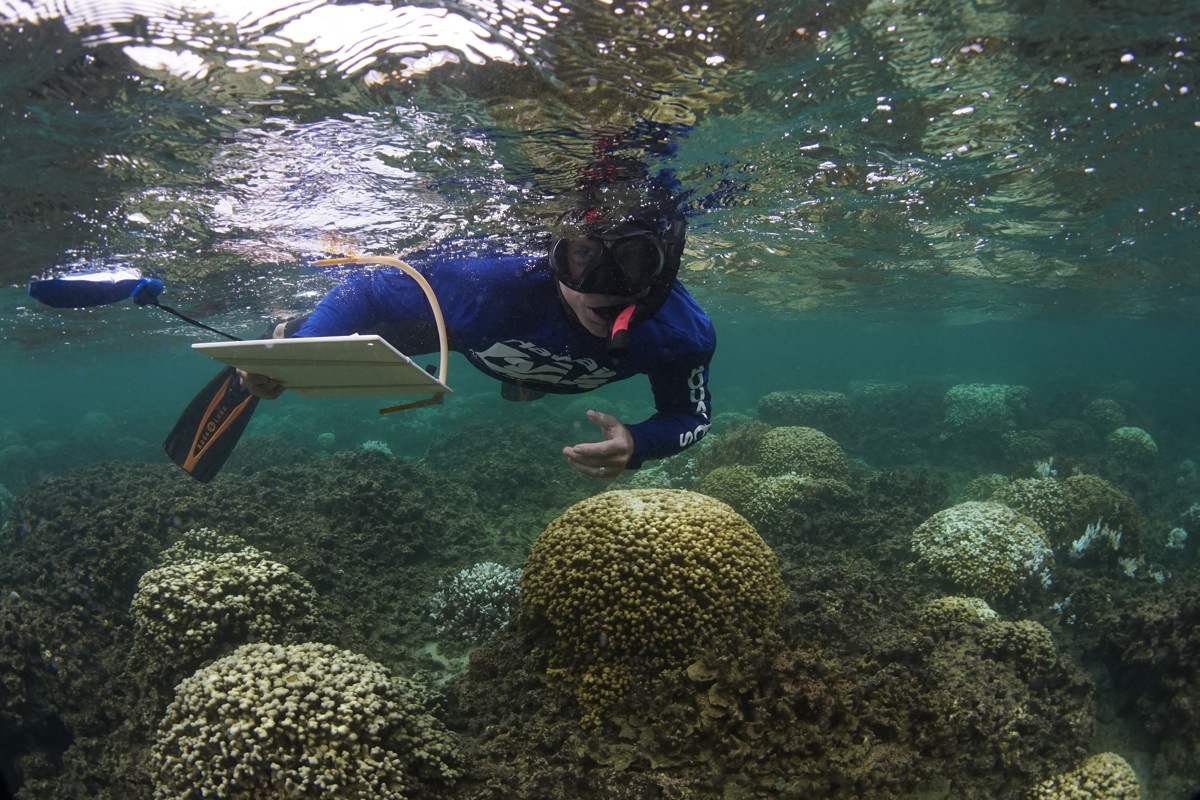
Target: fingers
605	459
260	385
592	464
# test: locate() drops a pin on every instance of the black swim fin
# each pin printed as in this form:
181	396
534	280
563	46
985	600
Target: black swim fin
210	426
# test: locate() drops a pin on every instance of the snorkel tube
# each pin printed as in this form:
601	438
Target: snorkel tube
619	338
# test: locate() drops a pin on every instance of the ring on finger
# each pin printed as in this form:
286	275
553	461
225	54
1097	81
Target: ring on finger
602	470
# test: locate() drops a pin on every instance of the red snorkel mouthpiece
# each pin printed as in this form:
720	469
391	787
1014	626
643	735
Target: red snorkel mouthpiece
618	336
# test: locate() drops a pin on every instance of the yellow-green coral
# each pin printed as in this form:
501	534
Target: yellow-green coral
630	580
1044	500
305	720
982	487
733	485
1132	446
804	451
955	609
191	609
985	548
1106	776
784	506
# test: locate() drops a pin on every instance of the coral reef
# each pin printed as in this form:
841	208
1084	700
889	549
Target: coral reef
982	487
1066	507
828	412
1104	415
786	508
737	447
1132	447
851	699
1153	650
476	603
955	609
193	609
1105	776
833	666
1011	697
984	407
985	548
630	580
804	451
299	720
1044	500
733	485
894	422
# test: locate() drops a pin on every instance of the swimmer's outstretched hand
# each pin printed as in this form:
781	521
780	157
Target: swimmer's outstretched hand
607	458
260	385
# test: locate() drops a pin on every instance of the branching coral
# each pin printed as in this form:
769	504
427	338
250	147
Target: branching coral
1106	776
203	602
306	720
476	603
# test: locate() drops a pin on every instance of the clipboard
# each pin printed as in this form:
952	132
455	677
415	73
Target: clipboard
329	366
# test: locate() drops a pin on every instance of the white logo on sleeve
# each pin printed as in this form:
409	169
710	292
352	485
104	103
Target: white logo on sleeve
525	361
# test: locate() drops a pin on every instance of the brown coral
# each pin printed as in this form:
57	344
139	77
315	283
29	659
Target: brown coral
804	451
634	579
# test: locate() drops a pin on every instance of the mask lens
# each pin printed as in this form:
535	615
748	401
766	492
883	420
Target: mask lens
616	265
640	258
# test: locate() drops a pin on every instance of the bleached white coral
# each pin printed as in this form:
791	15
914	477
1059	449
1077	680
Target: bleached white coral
985	548
1097	535
377	446
477	603
1177	539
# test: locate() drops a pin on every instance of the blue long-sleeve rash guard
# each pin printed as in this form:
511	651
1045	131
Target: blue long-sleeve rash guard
504	313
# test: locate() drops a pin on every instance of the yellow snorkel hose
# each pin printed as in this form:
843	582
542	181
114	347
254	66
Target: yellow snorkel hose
443	339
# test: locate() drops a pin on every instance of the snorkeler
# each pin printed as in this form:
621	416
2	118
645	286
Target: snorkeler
602	305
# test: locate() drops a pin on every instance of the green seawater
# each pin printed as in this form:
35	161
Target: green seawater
892	199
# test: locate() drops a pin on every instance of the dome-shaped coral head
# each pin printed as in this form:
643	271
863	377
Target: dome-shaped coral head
636	580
